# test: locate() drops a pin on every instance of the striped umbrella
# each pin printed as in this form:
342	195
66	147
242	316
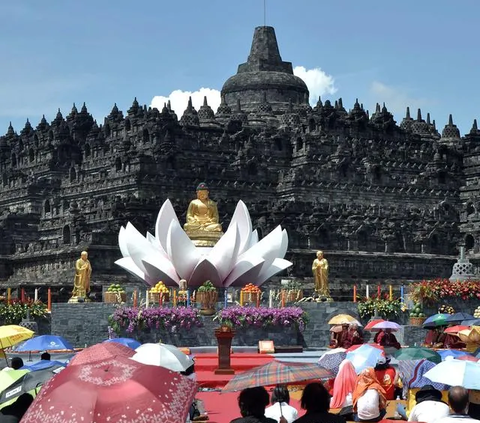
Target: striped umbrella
276	372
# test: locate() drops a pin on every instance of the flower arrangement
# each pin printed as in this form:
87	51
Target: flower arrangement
207	286
382	305
429	292
12	313
239	317
170	319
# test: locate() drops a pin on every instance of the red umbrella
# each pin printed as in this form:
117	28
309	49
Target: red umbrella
116	390
456	329
101	352
354	347
372	323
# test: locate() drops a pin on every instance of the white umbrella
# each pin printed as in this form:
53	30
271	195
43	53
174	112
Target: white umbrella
163	355
456	373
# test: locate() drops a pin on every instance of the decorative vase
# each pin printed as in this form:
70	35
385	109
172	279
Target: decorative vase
208	301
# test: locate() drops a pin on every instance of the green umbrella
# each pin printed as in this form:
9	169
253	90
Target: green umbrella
10	376
418	353
439	319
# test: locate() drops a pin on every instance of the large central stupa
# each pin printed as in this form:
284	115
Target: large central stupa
265	77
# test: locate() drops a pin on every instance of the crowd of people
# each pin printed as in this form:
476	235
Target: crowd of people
350	335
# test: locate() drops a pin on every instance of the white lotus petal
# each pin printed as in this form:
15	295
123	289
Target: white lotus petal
122	242
205	271
164	267
241	267
277	266
165	216
241	218
249	276
156	275
138	247
284	247
224	254
129	265
182	251
154	241
253	238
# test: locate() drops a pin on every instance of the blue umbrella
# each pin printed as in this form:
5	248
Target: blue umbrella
45	343
364	356
459	317
128	342
451	353
439	319
471	322
43	364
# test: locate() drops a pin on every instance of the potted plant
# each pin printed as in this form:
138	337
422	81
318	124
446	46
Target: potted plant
207	296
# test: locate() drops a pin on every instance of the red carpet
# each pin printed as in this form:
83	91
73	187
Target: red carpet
223	408
205	364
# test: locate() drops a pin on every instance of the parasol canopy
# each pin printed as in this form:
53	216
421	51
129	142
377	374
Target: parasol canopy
364	356
417	353
331	360
101	352
386	325
372	323
115	390
456	372
459	317
343	319
275	373
163	355
44	343
11	335
452	353
436	320
128	342
455	329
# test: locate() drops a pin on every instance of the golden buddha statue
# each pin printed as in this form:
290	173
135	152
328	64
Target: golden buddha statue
202	224
81	283
320	274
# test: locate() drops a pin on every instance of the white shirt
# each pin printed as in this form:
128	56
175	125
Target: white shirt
368	405
289	412
457	418
429	411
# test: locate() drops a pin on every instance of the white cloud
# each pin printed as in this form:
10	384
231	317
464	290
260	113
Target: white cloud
318	83
179	100
397	99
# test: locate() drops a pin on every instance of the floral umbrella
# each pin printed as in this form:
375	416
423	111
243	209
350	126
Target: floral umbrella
115	390
101	352
331	360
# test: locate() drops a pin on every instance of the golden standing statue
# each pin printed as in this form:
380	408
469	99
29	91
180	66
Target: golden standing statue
203	225
81	283
320	274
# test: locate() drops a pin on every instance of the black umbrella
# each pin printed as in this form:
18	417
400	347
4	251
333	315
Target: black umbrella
459	317
28	382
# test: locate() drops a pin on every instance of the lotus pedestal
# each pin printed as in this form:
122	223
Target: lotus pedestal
224	339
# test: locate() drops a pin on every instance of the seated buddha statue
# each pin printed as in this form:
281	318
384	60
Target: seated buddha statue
202	219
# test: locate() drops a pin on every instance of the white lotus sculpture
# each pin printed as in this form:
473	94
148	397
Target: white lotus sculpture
238	257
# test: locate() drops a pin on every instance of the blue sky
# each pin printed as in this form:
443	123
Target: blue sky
417	53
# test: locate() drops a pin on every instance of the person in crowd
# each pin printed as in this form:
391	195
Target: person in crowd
458	401
344	385
316	401
386	339
339	339
281	405
353	336
46	356
369	402
14	412
15	364
474	404
453	342
252	403
387	376
429	406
